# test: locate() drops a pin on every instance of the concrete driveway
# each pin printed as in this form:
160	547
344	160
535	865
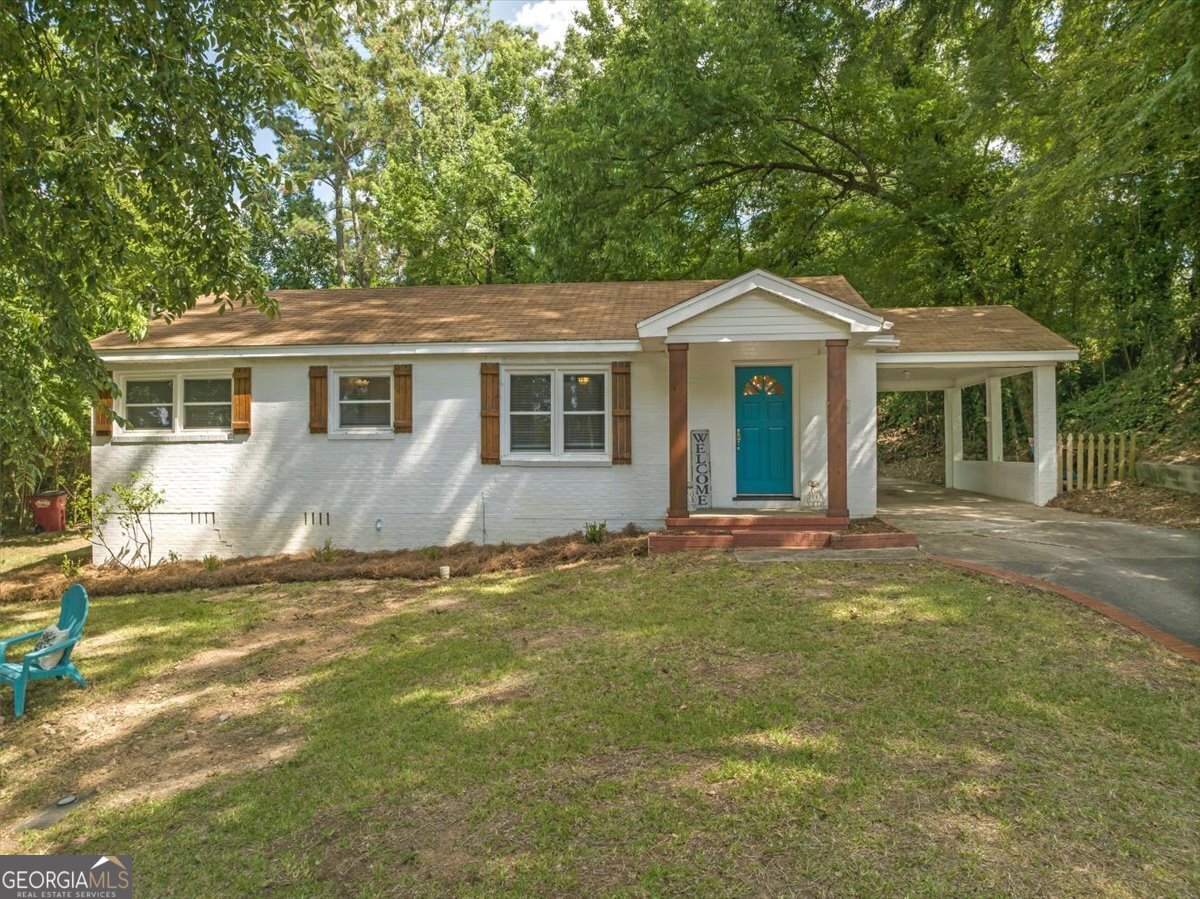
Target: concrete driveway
1153	573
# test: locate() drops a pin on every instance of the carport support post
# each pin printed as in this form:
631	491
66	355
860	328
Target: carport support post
1045	435
995	421
952	415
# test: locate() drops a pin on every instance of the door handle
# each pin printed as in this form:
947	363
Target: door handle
738	440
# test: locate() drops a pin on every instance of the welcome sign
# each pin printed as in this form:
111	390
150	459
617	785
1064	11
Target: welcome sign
701	470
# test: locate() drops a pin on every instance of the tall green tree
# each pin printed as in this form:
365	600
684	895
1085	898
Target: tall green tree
420	134
1027	152
127	178
324	140
456	193
295	249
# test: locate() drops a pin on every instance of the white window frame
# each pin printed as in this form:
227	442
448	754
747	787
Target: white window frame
176	378
557	454
335	404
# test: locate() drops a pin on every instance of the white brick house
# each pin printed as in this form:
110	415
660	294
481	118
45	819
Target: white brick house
404	417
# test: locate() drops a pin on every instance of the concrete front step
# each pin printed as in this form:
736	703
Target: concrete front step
763	539
741	539
758	538
667	543
766	522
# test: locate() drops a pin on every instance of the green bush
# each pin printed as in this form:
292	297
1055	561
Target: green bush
71	568
326	554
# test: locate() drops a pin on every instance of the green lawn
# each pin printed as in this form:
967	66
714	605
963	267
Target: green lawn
29	549
671	725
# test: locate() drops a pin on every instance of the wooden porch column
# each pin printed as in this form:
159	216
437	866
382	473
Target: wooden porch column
677	436
836	417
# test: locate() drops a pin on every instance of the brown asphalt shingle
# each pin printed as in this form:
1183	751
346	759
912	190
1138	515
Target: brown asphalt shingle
962	329
475	313
497	313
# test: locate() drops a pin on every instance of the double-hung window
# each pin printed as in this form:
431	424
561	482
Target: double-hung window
150	404
556	413
207	404
364	401
178	403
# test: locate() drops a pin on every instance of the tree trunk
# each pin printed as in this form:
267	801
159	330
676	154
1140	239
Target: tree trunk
339	230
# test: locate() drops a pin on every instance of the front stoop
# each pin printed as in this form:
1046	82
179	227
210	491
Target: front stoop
767	522
724	532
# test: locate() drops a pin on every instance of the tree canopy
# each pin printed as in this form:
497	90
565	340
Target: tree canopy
1044	153
128	183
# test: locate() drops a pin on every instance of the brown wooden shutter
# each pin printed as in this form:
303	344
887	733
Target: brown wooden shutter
622	415
318	399
402	419
102	417
489	401
241	401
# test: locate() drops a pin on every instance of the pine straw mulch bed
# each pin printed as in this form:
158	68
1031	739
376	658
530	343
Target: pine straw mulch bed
1138	503
45	581
872	526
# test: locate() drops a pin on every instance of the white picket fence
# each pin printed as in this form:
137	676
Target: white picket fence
1088	461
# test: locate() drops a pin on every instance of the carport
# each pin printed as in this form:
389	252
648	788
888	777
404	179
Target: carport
950	349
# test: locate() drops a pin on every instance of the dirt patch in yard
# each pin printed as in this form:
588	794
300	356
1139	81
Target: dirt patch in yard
1139	503
215	713
46	581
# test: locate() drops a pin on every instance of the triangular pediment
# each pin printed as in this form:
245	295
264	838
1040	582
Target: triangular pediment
759	293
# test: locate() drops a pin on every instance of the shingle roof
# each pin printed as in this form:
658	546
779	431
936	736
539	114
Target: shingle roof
497	313
964	329
483	313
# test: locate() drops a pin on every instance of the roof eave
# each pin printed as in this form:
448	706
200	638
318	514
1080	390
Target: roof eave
482	348
985	357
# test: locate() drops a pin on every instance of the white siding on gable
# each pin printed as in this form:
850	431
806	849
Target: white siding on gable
282	489
757	316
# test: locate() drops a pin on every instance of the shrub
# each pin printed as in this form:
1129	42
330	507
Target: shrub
595	531
129	506
326	555
71	569
211	563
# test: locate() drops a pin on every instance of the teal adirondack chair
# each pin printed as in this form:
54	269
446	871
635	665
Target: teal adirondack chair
19	674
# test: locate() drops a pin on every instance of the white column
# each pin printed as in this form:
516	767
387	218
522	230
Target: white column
952	414
995	421
1045	435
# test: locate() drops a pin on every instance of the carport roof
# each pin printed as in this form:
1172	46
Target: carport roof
969	329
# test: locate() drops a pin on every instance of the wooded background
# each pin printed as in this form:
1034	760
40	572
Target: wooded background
1042	154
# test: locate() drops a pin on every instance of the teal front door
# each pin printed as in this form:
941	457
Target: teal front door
763	394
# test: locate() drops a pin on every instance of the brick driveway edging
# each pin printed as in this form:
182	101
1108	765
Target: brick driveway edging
1173	643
